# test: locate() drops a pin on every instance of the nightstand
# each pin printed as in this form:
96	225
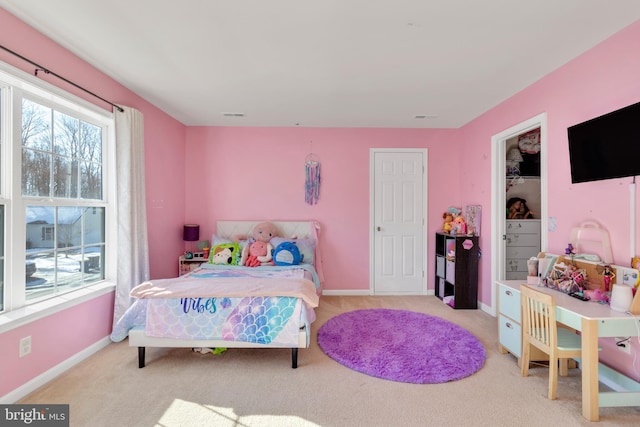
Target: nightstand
187	265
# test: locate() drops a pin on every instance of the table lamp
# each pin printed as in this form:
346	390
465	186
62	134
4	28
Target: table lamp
621	298
190	233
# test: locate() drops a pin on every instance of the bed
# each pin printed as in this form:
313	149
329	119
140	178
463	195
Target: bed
231	306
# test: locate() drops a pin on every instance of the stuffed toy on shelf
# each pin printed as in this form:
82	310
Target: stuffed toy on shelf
449	217
447	224
459	226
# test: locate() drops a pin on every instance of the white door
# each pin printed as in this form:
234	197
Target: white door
398	225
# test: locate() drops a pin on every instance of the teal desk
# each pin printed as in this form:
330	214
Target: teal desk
593	321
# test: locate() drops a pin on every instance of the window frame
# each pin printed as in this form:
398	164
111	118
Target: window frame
16	85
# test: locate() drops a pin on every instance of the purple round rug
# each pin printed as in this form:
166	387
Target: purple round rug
402	346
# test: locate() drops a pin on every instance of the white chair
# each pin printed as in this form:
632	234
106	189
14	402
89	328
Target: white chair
539	329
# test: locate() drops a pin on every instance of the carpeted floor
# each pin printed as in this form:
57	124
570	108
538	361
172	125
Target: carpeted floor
257	387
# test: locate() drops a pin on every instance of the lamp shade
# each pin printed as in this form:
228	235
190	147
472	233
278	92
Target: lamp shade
621	298
514	155
191	233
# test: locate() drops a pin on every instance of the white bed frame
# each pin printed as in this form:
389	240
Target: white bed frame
226	229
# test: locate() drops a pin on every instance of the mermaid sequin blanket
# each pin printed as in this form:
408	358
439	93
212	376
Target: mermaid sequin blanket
260	308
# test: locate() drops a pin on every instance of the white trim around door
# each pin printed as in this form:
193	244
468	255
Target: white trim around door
498	186
397	223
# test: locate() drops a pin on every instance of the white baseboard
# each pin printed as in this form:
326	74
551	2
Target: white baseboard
358	292
347	293
52	373
487	309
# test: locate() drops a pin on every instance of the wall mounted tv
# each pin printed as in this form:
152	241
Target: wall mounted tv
606	147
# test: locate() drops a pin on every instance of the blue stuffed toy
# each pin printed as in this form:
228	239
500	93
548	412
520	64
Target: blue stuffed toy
287	253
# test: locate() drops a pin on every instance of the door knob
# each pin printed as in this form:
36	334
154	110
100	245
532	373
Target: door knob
379	228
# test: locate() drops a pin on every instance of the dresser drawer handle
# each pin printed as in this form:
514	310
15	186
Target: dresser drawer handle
509	293
509	325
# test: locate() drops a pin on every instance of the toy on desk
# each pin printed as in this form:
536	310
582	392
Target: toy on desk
587	273
596	295
532	271
590	237
566	278
579	277
571	251
579	295
607	275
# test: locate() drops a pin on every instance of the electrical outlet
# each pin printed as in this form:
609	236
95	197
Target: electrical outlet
624	344
629	276
25	346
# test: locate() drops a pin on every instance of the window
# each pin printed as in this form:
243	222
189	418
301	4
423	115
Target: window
53	203
47	234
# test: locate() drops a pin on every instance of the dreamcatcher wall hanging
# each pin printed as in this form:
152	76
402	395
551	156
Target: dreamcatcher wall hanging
312	179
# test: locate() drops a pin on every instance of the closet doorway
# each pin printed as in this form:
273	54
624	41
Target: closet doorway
519	199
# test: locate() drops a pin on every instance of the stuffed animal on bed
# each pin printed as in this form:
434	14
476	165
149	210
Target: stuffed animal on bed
222	255
287	253
259	252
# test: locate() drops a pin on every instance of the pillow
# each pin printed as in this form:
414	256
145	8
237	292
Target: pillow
225	254
219	240
307	247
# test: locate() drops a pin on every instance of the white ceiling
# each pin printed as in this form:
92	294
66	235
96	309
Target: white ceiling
325	63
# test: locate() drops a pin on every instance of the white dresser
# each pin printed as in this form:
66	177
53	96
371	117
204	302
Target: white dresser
522	243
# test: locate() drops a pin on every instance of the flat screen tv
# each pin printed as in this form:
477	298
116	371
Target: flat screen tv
606	147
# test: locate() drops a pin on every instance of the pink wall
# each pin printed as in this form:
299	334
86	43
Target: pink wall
258	173
599	81
164	136
255	173
54	339
603	79
62	335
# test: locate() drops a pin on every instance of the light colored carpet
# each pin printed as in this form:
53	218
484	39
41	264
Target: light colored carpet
257	387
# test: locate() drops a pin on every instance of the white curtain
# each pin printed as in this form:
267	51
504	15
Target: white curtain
132	243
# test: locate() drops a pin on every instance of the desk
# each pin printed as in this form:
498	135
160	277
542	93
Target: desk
593	320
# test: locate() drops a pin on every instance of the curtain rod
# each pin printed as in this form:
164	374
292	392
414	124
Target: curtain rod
47	71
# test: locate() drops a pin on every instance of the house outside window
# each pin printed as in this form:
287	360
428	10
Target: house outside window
53	206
